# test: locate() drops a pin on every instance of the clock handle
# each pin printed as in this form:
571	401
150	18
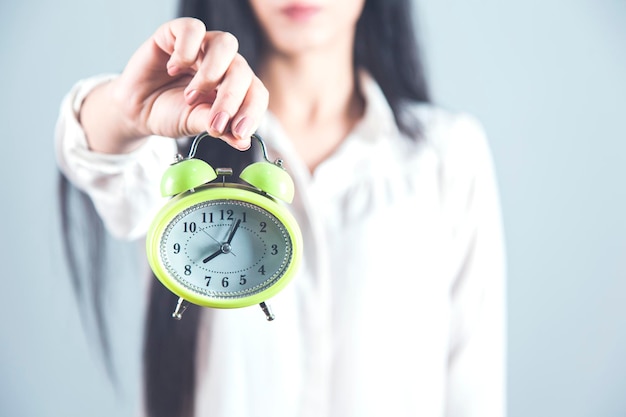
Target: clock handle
267	310
194	145
264	149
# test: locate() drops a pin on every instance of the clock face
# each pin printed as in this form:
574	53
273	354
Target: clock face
225	249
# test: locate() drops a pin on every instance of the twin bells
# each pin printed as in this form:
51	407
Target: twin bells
188	174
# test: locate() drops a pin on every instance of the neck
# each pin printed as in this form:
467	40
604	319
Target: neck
314	95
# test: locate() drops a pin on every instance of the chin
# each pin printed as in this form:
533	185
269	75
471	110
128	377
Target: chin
300	42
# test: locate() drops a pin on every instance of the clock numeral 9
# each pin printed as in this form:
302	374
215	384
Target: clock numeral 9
176	248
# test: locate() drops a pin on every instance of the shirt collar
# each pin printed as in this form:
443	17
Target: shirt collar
378	120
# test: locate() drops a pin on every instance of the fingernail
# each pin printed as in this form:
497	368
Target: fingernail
220	121
242	145
173	70
192	96
241	130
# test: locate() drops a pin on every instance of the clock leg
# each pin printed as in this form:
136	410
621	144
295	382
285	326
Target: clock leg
181	306
267	310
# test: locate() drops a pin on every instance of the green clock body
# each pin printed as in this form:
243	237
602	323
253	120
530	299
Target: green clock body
224	245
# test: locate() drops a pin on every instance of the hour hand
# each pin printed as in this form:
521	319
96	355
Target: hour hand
224	247
213	255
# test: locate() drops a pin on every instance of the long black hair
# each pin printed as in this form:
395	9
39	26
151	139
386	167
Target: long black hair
385	46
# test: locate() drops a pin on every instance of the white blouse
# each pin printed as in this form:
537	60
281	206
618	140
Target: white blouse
398	308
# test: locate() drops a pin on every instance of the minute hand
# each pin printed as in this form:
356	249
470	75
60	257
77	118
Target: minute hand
232	232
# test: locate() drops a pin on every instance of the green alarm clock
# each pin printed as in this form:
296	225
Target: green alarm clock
222	244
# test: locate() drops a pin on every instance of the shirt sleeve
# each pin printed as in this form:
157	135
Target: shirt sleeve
476	372
124	188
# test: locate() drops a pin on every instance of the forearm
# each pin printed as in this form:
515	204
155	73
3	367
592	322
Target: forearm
107	129
123	187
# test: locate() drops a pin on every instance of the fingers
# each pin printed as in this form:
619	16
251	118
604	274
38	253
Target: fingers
237	97
222	80
188	37
223	89
245	120
182	39
216	57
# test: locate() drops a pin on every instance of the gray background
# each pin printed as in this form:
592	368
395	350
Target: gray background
547	79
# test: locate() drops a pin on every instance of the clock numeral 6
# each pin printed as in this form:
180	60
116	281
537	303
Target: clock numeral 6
225	281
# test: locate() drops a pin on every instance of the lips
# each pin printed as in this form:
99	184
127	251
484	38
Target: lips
300	12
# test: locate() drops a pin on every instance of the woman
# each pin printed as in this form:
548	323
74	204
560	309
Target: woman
398	306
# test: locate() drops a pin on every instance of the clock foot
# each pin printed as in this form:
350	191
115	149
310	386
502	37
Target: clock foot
267	310
180	309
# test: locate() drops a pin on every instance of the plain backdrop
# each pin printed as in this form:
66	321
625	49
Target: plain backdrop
546	78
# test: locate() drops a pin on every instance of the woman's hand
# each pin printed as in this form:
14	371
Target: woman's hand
180	82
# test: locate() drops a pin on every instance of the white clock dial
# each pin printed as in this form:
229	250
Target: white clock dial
225	248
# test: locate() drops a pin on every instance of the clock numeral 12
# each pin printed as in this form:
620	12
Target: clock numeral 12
228	215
